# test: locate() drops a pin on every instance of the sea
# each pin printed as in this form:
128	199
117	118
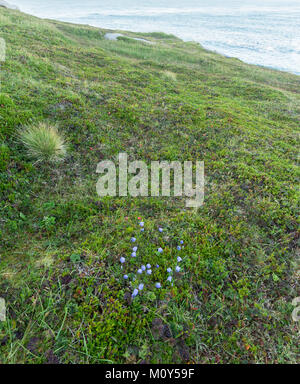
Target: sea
262	32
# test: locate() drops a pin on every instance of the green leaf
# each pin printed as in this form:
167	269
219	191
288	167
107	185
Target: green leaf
75	258
275	277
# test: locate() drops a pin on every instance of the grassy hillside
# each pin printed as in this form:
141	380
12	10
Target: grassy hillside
61	244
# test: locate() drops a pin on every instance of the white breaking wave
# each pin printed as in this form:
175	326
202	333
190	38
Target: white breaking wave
59	12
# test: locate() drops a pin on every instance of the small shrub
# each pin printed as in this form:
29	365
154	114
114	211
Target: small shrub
161	35
48	223
11	117
4	157
44	143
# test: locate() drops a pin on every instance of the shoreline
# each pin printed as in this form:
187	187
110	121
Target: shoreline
113	30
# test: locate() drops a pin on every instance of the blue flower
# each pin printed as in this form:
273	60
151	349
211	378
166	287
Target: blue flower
160	229
139	271
141	224
149	271
133	254
181	241
157	266
179	259
169	270
179	247
125	277
141	286
134	249
142	229
177	269
122	259
143	268
133	239
148	266
169	278
160	250
158	285
135	292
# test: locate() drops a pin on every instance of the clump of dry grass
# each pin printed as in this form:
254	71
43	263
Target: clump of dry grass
170	75
44	143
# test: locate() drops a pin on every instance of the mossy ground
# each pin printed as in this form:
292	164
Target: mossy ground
60	242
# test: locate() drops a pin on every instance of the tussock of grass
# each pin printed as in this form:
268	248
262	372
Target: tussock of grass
170	75
44	143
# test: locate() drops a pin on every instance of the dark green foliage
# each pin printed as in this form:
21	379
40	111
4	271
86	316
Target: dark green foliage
4	157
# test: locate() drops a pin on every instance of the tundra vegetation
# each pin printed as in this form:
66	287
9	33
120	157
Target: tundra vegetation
60	247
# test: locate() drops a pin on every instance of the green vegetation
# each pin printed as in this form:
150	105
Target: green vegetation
61	244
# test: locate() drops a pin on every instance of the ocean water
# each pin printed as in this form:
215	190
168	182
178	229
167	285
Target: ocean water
265	32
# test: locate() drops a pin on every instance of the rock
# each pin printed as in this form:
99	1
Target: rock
112	36
142	40
7	5
115	36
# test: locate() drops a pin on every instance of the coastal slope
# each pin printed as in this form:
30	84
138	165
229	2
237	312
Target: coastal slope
60	243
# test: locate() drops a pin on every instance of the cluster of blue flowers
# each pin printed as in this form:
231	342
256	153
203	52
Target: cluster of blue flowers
146	270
